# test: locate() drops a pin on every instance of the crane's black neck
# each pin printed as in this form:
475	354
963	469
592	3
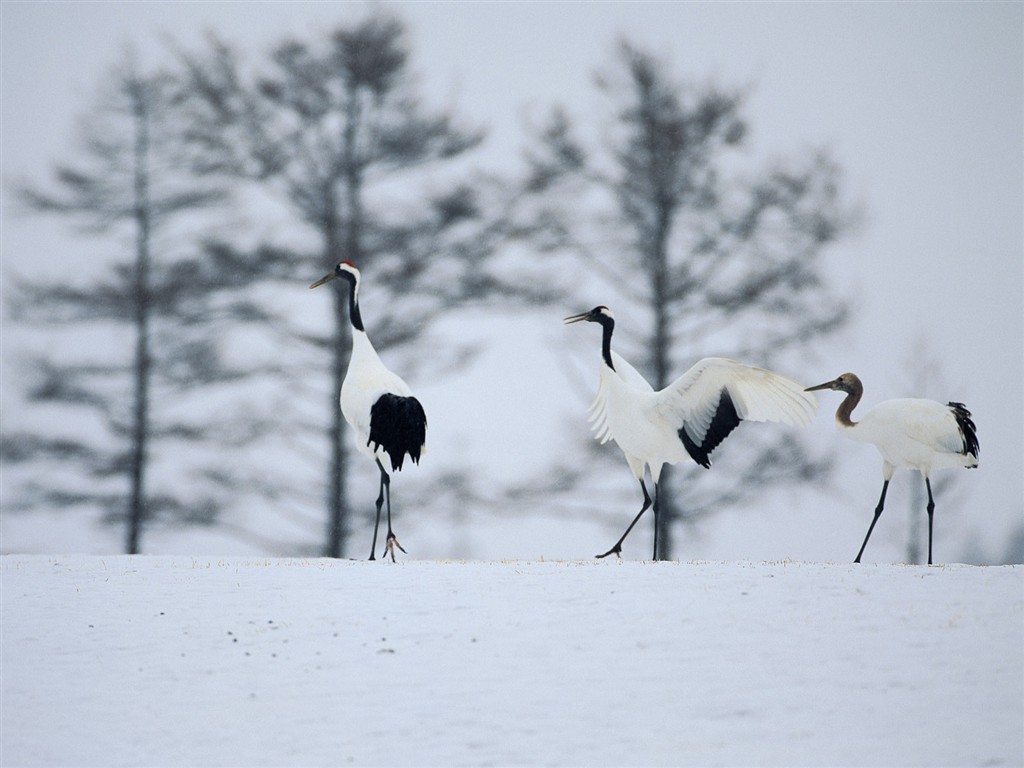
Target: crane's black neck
353	301
608	326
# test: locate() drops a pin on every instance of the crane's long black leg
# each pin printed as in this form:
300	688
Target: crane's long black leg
380	503
656	522
878	513
617	549
931	515
390	542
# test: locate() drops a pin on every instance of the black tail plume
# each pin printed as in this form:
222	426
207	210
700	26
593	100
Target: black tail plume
967	428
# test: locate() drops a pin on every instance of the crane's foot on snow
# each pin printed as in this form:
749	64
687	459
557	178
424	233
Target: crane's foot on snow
616	550
390	544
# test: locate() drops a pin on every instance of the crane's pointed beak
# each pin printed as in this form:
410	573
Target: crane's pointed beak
577	318
325	279
826	385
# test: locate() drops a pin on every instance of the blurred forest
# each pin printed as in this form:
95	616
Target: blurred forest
189	378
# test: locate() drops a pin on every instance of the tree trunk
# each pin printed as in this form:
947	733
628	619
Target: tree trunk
351	250
914	536
661	361
142	363
337	501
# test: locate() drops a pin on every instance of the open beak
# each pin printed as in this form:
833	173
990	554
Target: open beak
325	279
576	318
826	385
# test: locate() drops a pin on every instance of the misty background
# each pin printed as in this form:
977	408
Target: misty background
500	194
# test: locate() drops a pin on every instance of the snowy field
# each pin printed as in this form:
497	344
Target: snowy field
153	661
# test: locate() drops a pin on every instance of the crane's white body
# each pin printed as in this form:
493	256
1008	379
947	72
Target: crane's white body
687	419
365	381
912	433
389	423
645	424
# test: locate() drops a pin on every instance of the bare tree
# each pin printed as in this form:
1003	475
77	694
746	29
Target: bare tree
332	126
123	186
716	262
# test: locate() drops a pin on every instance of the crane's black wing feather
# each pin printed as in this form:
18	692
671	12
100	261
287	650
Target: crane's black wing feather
722	423
399	426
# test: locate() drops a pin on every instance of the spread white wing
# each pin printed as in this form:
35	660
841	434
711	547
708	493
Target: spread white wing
708	401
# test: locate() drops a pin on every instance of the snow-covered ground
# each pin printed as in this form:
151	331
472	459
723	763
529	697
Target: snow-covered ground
204	662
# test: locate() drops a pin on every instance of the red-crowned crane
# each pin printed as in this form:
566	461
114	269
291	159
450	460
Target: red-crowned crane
910	433
387	419
688	418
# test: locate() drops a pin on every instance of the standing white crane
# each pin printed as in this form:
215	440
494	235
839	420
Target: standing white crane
688	418
910	433
379	406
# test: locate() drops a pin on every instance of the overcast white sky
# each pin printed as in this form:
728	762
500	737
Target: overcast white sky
920	103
